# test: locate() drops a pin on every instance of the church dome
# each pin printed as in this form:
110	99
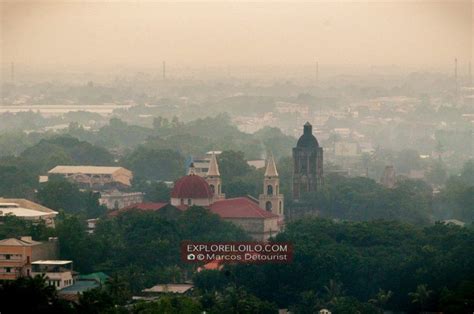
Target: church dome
191	186
307	140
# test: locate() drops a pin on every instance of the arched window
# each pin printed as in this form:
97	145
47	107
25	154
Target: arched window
213	189
268	206
116	205
269	190
280	209
189	202
182	201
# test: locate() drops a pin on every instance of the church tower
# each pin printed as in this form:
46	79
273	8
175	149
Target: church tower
307	164
213	178
271	199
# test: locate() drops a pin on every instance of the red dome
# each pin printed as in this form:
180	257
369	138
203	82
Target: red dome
191	186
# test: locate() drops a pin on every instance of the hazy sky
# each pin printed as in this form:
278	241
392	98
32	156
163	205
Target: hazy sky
236	33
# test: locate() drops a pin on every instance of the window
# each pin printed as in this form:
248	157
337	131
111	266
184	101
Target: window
269	190
268	206
8	269
280	207
212	188
7	256
189	201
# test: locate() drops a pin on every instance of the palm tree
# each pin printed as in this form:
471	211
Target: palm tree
333	291
381	298
421	295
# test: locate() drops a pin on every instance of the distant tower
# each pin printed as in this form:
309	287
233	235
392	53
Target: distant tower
271	199
213	178
456	81
307	164
164	70
388	179
12	72
469	75
317	73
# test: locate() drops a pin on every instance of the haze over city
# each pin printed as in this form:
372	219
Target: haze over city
236	157
85	35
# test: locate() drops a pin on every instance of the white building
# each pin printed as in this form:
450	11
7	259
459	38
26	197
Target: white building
27	210
58	273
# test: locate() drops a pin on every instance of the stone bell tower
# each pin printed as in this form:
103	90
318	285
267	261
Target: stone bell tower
271	199
213	178
307	164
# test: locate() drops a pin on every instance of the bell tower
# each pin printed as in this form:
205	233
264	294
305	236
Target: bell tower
307	164
213	178
271	199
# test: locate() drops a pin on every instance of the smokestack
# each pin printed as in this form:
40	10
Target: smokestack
469	75
456	80
317	73
12	72
164	70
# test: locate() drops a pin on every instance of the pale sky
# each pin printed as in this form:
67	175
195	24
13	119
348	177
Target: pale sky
195	33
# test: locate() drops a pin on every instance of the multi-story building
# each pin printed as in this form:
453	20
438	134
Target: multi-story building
58	273
25	209
95	177
16	255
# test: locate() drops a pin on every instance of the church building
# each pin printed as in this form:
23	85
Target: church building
261	219
307	164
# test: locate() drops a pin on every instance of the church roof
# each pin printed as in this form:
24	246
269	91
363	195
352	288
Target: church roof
213	167
307	140
240	207
191	186
271	170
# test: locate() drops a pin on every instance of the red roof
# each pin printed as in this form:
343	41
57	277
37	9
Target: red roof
240	207
139	206
191	186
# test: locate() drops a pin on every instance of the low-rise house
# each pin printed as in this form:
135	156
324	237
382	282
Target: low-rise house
116	199
83	283
59	273
16	255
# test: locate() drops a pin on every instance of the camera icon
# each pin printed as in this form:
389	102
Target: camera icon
191	257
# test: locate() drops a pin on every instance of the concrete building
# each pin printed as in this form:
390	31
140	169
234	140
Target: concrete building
28	210
116	199
95	177
59	273
16	255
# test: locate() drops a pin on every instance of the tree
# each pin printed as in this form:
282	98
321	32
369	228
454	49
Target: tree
421	296
58	193
155	164
381	298
41	297
232	164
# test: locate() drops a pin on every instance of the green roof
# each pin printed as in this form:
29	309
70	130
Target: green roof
79	287
100	277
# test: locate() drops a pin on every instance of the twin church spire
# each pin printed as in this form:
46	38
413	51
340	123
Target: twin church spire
270	200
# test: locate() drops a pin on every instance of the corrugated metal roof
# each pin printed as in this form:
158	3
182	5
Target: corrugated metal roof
85	169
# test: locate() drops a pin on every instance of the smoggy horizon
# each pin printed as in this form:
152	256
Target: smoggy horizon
91	36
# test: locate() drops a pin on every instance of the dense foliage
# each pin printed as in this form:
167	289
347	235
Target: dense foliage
390	265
